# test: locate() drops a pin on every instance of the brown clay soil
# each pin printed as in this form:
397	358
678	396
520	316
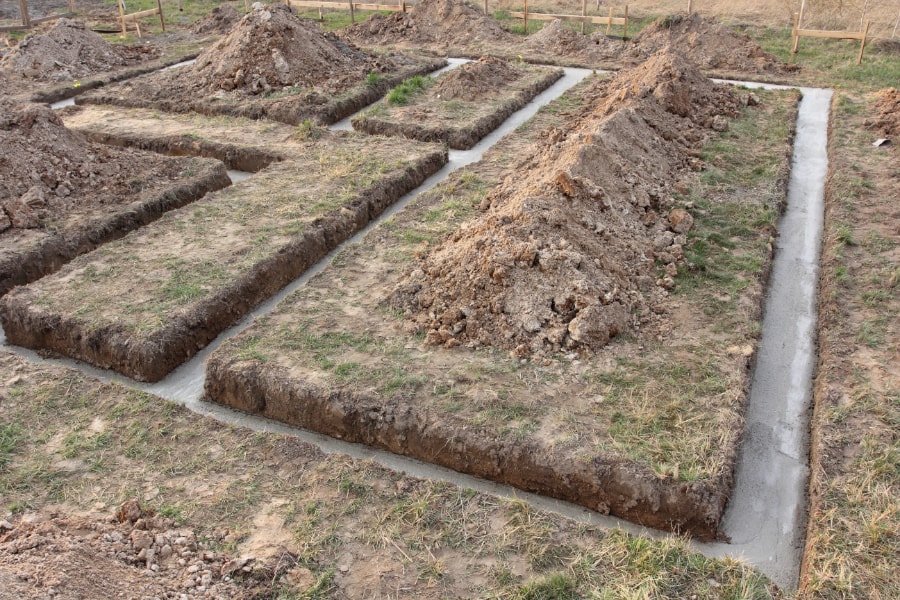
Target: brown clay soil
166	291
340	358
707	43
461	106
565	256
70	51
61	195
272	63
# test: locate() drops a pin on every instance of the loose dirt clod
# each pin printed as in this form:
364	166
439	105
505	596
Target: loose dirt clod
69	51
556	38
448	22
708	44
567	255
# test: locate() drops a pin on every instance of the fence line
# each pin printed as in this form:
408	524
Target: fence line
137	16
26	22
609	21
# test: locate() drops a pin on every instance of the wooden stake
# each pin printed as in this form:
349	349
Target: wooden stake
403	5
162	22
23	9
352	16
690	6
485	7
525	16
583	13
862	46
122	17
625	33
609	23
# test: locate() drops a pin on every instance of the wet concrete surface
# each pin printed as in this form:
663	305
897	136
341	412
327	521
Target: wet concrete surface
766	517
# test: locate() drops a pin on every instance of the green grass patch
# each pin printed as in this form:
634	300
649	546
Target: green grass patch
407	90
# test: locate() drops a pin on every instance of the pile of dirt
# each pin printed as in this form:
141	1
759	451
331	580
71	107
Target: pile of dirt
708	44
446	22
557	39
887	109
583	243
219	20
269	49
71	51
476	80
61	556
47	169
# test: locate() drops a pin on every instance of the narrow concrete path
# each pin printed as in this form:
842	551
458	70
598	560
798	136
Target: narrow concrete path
766	517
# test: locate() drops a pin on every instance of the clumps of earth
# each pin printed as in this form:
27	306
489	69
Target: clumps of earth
445	22
476	80
47	170
269	50
219	20
887	113
556	38
585	241
69	51
59	556
708	44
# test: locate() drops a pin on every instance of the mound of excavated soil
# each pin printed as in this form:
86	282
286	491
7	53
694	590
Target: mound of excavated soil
555	38
585	239
445	22
476	80
219	20
887	109
70	51
708	44
45	168
54	555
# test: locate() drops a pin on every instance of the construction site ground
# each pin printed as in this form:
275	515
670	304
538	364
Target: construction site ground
549	317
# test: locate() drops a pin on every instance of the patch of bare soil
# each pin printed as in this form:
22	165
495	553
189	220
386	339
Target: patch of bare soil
564	257
220	19
59	555
443	22
887	114
708	44
70	51
462	106
272	63
61	195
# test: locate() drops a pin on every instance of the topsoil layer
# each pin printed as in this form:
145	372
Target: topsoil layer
273	64
61	195
145	304
70	51
566	255
461	106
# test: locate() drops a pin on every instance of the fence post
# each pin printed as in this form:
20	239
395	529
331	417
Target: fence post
690	6
609	22
122	17
485	7
162	22
403	5
352	16
23	9
525	16
862	47
583	13
625	32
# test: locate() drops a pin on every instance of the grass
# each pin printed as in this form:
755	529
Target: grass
855	515
402	94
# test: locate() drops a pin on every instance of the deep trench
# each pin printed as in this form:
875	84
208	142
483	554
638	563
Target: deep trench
765	518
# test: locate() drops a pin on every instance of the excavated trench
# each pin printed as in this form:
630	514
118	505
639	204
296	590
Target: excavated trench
765	517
